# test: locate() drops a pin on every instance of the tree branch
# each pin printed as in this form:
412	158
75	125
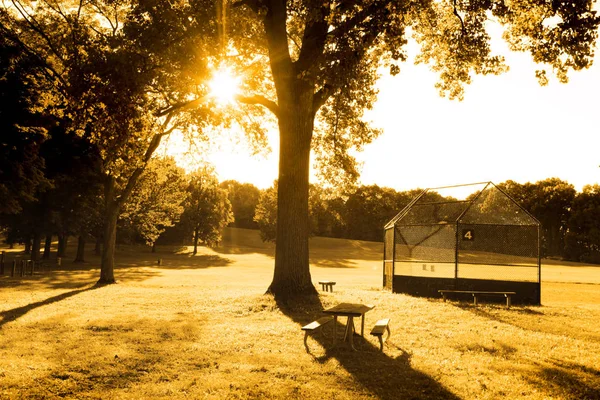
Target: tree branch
321	97
261	100
462	24
313	40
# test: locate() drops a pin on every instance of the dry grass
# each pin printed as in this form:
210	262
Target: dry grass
200	327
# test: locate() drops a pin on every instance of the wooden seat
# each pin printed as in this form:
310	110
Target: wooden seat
477	293
380	327
315	326
327	285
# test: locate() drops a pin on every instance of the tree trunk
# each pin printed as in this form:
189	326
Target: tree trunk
28	245
98	246
291	277
63	240
47	247
196	235
35	246
107	267
80	257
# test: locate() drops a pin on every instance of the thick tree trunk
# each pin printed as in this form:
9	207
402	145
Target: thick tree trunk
47	247
107	267
35	246
80	257
291	277
196	235
63	240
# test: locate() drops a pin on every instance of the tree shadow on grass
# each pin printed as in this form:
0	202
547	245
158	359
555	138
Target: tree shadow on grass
13	314
566	379
383	376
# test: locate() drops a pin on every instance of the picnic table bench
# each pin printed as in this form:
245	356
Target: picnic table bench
477	293
327	285
380	327
315	326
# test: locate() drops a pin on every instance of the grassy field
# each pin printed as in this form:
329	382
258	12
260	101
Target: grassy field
200	327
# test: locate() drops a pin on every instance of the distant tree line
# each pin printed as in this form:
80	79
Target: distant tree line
570	220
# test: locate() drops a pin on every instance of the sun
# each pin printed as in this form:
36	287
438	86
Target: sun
224	86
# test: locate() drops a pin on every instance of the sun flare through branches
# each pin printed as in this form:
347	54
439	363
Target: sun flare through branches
224	85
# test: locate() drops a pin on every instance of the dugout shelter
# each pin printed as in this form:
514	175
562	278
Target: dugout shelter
466	237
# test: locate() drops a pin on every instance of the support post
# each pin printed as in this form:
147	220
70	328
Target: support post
2	263
14	268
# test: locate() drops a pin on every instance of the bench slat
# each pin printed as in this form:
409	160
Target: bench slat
475	292
380	327
317	324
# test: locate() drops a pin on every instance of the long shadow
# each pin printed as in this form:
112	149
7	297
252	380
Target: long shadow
383	376
568	380
11	315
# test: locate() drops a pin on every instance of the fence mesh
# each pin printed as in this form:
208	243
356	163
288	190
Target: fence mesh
486	235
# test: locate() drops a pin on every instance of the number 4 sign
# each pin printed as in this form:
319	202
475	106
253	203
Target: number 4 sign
468	234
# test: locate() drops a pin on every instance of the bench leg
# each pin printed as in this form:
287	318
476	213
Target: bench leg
507	300
474	299
331	288
444	297
305	343
380	337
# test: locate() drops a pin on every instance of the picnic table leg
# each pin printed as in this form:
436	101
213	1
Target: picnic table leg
362	326
334	329
350	331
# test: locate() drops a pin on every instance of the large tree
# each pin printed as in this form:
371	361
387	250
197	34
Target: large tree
129	73
321	61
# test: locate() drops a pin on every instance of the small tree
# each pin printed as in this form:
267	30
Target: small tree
156	202
207	209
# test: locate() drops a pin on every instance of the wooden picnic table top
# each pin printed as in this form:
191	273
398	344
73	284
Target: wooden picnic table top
349	309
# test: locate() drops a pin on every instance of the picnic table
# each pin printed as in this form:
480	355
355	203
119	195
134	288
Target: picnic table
349	310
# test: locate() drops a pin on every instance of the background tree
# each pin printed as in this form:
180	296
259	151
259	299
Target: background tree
156	202
244	199
266	213
207	209
583	234
548	200
322	65
23	125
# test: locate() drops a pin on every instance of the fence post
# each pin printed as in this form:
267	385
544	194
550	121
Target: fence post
32	266
23	262
14	268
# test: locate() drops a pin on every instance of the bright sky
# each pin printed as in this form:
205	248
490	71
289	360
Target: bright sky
507	127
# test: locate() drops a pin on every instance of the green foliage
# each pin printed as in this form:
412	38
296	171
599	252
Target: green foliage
156	201
369	208
244	198
266	214
207	209
23	128
583	235
549	201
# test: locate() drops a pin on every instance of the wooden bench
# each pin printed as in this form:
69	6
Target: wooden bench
327	285
315	326
380	327
477	293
